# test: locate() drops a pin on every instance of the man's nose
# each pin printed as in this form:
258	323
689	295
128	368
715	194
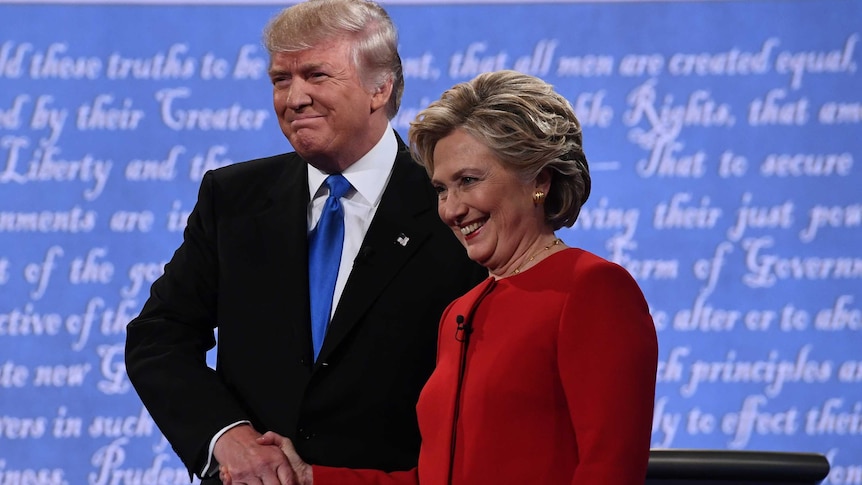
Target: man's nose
297	95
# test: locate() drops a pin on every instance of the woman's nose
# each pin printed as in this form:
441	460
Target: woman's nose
451	209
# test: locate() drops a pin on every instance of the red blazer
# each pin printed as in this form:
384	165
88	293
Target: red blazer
557	384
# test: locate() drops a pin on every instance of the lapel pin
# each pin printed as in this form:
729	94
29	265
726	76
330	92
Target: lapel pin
402	239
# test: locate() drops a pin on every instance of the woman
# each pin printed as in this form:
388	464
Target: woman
546	371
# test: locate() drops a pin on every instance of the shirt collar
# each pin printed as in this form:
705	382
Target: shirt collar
368	175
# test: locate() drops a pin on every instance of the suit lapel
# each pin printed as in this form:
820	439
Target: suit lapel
392	239
282	228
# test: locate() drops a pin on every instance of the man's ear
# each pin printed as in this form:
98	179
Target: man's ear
380	96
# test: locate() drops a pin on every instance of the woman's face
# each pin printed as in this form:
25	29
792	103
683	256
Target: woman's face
489	208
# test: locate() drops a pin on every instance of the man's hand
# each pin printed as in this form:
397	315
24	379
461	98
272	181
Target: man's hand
244	459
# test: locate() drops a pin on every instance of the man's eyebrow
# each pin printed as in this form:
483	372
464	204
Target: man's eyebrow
306	67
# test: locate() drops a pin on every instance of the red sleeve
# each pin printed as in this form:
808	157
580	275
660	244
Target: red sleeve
324	475
607	356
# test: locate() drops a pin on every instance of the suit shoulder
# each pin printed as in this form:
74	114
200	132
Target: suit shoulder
587	265
413	170
593	270
246	185
267	168
582	259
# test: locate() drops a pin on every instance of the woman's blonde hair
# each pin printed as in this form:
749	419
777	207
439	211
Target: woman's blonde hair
527	125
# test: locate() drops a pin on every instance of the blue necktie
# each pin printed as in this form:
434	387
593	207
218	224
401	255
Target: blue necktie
324	257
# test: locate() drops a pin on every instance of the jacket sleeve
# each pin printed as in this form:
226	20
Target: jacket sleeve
607	357
348	476
166	344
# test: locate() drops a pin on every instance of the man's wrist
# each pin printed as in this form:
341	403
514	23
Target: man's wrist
212	465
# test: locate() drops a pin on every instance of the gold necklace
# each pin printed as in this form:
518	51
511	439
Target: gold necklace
546	248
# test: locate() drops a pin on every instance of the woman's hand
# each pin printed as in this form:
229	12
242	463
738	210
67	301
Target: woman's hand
244	461
301	473
300	468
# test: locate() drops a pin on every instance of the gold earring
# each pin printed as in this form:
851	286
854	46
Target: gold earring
538	197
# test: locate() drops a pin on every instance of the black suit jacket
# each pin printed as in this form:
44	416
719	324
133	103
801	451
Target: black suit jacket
242	268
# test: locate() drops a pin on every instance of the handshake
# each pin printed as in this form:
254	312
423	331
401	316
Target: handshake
270	460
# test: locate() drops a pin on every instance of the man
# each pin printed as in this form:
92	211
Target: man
346	396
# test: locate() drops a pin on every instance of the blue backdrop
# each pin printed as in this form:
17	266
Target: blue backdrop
724	139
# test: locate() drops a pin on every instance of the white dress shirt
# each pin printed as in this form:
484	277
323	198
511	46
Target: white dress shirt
368	176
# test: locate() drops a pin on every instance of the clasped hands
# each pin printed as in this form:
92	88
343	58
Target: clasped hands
248	458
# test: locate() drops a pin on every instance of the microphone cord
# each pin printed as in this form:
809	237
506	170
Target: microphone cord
466	327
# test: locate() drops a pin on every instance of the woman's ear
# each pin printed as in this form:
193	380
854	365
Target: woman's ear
543	180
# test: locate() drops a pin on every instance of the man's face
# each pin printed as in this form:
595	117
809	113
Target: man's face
330	119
